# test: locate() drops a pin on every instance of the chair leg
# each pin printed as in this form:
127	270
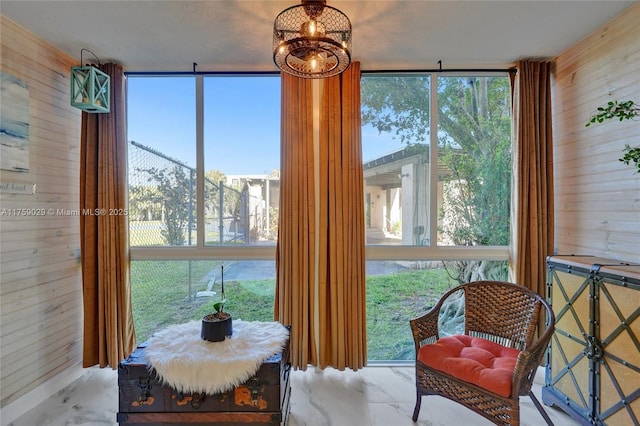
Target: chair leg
540	408
416	410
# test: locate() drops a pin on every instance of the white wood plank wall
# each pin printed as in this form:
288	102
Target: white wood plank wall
597	198
40	279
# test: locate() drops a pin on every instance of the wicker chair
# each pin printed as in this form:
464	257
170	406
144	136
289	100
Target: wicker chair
500	318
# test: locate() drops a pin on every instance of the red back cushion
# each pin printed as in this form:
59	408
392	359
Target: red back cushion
474	360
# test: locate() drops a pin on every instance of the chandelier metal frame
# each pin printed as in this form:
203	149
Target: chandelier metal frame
312	40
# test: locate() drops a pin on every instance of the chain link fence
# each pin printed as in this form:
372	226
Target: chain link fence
163	203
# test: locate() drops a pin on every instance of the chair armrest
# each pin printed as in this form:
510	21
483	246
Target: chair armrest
528	362
425	327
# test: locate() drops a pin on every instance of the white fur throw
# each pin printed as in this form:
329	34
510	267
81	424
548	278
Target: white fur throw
189	364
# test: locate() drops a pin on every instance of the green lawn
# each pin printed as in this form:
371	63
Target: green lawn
163	295
394	299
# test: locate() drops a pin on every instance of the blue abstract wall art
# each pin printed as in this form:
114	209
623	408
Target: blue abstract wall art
14	124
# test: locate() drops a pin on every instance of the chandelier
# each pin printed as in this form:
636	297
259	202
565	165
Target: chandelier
312	40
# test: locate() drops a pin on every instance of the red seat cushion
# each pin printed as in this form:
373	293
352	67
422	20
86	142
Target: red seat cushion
474	360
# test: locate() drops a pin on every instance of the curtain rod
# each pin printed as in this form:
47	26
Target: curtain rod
229	73
232	73
258	73
439	70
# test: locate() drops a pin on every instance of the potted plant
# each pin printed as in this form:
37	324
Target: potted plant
216	326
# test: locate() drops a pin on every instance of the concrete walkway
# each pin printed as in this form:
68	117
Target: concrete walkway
241	270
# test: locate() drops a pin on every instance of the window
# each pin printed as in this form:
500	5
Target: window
162	161
242	160
454	194
395	150
241	141
437	176
204	192
204	154
168	292
474	154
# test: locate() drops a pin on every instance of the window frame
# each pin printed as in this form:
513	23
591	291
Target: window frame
200	251
437	252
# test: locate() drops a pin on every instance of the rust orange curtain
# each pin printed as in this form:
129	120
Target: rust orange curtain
533	173
295	251
320	289
341	267
109	334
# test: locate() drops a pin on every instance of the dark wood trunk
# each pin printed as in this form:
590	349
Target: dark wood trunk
261	400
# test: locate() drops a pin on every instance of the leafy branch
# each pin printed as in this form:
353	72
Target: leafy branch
622	111
631	155
614	109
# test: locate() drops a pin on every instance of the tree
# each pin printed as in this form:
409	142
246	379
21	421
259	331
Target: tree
226	211
173	192
142	203
212	183
474	147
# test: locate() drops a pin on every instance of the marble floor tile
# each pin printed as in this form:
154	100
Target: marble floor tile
389	384
90	400
327	397
394	413
372	396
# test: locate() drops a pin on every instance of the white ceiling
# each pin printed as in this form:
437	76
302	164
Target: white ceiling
236	35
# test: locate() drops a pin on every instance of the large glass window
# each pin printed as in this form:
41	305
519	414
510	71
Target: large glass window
398	291
241	159
162	161
204	191
241	145
457	194
166	292
204	154
437	176
474	151
395	150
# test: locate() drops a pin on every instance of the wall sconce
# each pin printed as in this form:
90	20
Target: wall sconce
90	87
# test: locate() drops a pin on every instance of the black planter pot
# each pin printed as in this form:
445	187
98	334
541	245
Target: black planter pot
216	330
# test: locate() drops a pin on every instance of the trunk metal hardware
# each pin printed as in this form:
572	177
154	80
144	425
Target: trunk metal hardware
145	389
254	387
197	400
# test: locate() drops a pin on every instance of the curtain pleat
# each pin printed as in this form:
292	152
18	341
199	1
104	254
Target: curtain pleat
295	251
109	334
341	257
534	173
325	306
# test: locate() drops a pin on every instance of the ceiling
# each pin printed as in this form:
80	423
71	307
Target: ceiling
236	35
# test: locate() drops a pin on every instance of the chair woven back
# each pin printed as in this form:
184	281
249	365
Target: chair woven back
502	312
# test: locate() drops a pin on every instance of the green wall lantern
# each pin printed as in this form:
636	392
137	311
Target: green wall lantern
90	88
